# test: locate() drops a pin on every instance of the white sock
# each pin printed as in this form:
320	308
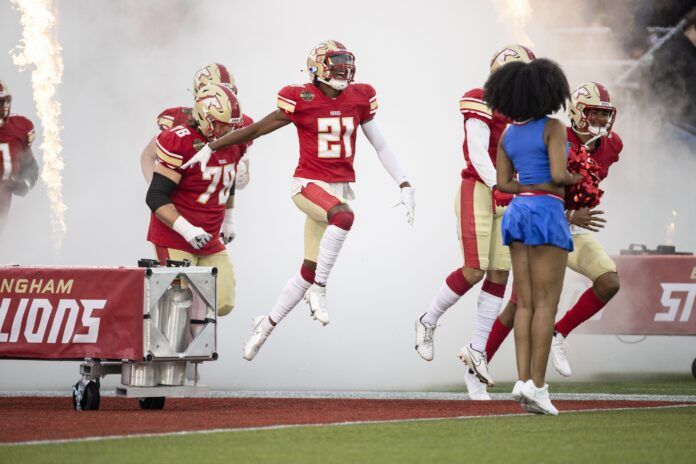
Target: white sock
329	248
444	299
487	310
292	293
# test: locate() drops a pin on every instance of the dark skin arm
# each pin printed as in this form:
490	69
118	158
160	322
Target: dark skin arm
268	124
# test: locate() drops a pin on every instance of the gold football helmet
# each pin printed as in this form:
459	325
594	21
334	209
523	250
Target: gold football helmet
330	62
216	110
591	96
5	103
213	73
511	53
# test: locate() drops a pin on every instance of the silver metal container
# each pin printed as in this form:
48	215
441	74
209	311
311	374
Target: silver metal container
174	322
139	374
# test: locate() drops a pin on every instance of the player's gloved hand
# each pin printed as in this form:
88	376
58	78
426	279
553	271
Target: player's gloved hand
228	232
500	198
196	236
242	178
408	199
588	219
19	187
201	157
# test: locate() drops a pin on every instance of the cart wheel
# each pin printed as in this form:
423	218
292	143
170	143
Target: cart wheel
155	402
86	395
693	368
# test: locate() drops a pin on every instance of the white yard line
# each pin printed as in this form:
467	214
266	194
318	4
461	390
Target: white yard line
329	424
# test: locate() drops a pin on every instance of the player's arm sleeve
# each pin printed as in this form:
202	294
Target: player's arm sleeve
288	102
385	154
165	120
478	136
166	150
159	192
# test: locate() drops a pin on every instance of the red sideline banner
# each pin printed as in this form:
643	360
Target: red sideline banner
71	313
656	298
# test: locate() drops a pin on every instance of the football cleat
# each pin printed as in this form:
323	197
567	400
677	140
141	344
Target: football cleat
517	396
478	362
558	355
424	339
538	399
476	389
216	110
592	110
316	299
261	329
330	62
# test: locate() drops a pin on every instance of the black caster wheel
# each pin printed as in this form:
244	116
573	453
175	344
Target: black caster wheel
86	395
156	402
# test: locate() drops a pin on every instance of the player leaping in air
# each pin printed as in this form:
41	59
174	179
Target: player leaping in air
326	112
592	115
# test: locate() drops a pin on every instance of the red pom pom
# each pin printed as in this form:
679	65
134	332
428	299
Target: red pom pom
586	193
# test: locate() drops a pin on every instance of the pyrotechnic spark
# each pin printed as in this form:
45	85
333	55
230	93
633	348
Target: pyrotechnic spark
671	228
39	47
517	13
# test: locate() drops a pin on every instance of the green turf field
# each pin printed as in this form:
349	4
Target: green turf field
648	436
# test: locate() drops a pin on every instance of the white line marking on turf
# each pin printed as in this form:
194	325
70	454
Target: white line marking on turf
328	424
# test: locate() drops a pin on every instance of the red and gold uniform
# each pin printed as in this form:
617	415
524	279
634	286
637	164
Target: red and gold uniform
16	137
200	197
326	128
589	257
477	218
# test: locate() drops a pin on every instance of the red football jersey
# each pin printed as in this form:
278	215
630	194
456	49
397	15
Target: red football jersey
16	136
182	116
327	127
471	105
606	154
200	197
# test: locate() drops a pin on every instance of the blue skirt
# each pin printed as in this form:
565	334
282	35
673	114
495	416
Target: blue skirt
536	220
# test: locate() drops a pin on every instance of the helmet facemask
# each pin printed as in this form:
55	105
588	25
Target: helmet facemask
5	107
587	122
336	69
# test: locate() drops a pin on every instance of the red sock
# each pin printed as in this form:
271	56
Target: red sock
587	306
498	334
457	283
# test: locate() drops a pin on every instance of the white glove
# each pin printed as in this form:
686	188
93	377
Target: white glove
408	199
196	236
228	232
242	178
201	157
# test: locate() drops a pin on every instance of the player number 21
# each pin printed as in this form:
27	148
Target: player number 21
214	174
329	137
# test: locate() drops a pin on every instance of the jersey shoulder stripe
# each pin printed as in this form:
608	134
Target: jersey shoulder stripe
474	105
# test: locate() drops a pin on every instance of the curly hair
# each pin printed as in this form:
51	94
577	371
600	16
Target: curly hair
523	91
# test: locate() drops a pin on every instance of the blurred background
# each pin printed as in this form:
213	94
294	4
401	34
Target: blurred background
127	60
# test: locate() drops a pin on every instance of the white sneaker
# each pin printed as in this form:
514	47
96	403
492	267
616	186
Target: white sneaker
261	329
424	339
558	355
316	299
538	398
520	398
475	388
477	361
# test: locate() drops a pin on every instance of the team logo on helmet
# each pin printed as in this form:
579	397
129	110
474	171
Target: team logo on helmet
511	53
587	97
332	63
214	73
216	110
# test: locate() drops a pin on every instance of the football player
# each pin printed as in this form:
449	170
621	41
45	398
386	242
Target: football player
592	116
213	73
18	168
479	207
326	112
189	206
